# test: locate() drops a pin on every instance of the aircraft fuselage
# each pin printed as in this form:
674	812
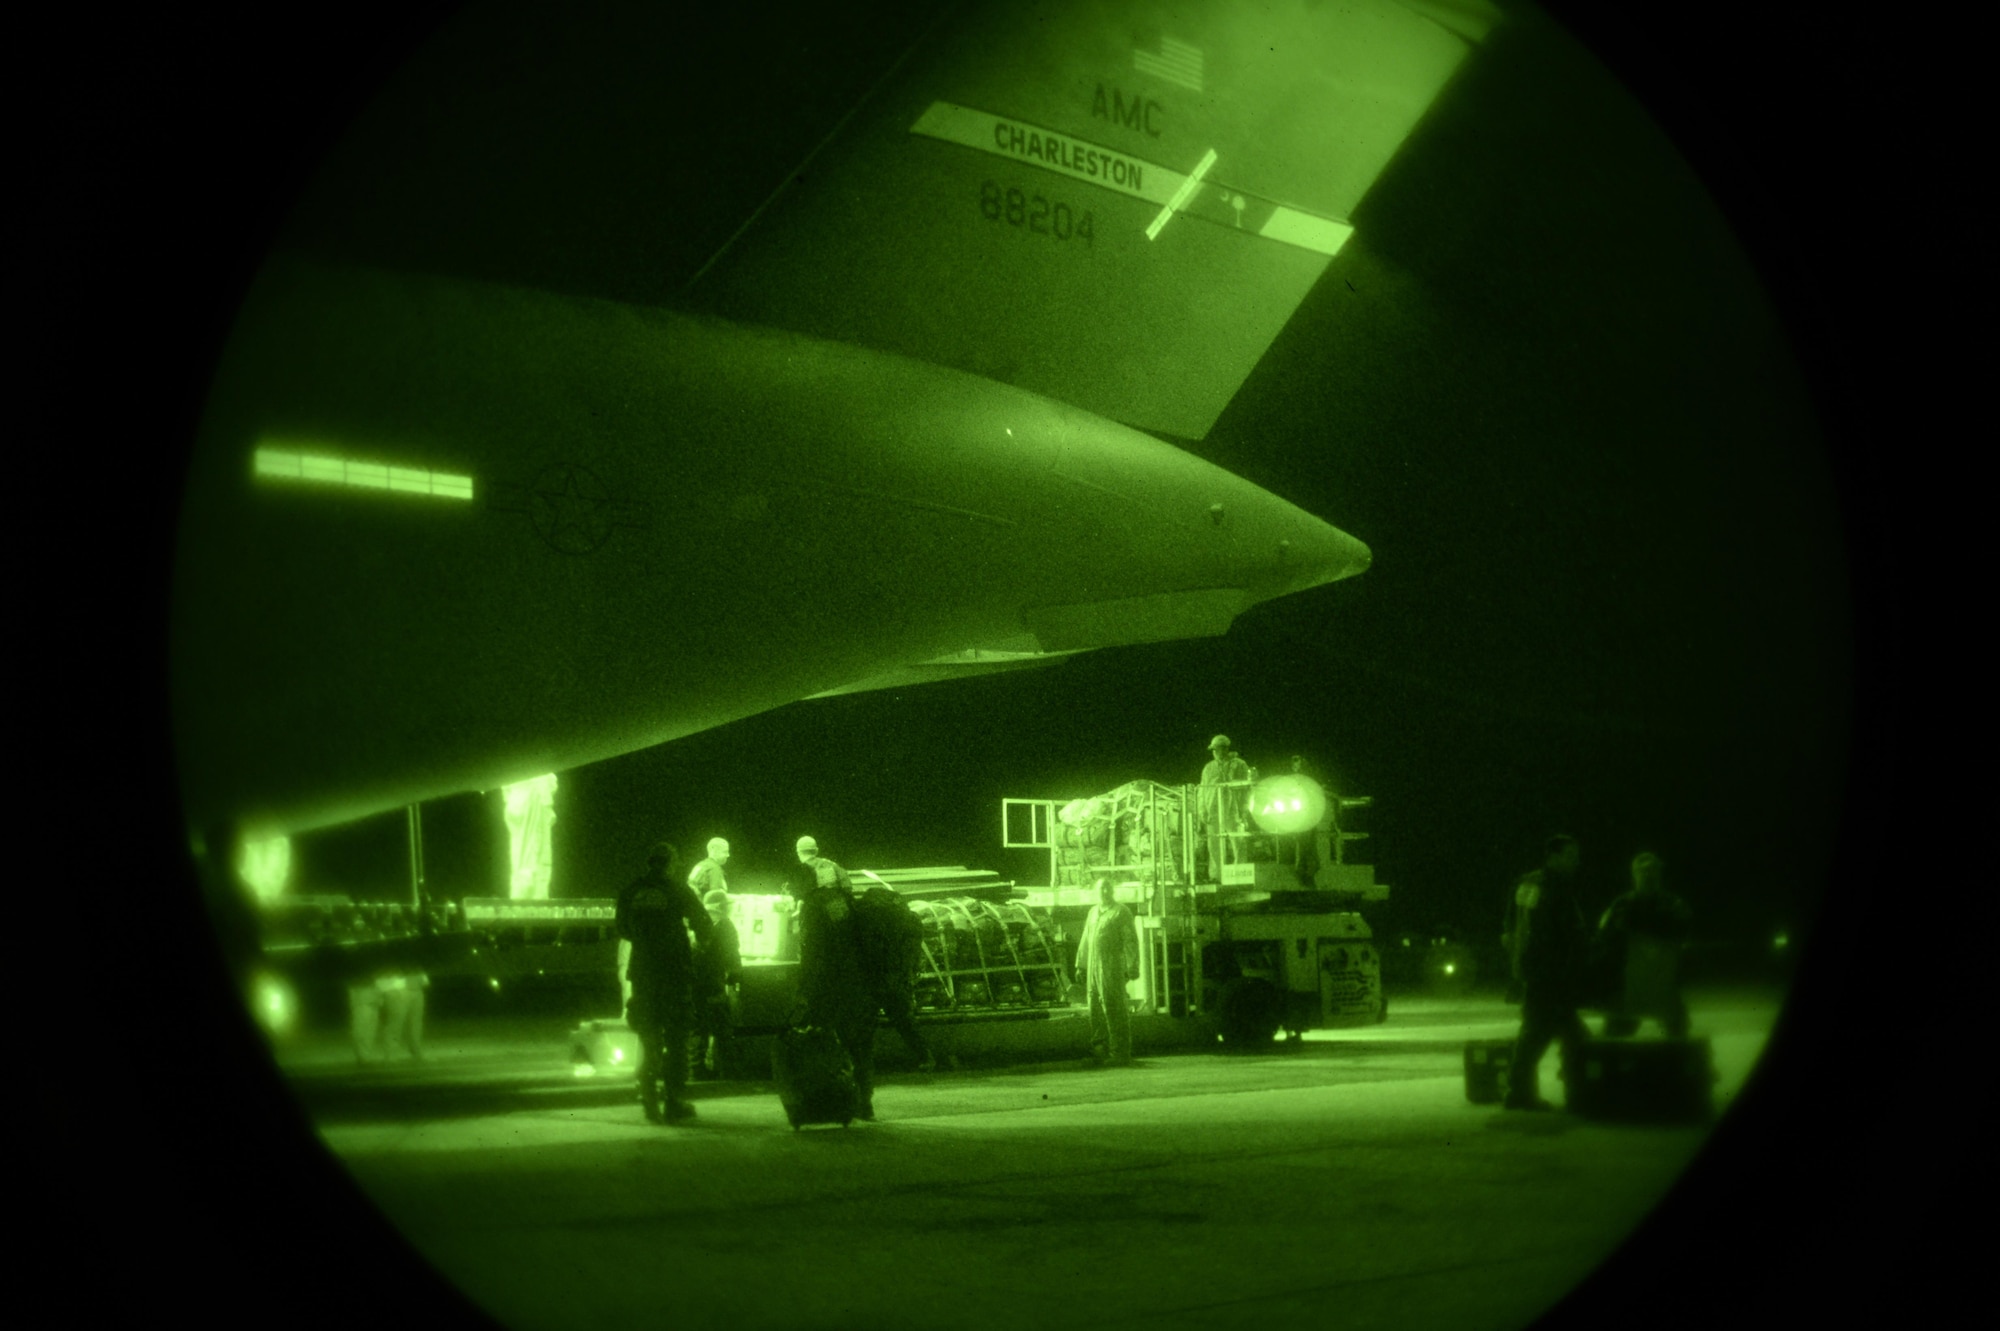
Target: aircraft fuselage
612	526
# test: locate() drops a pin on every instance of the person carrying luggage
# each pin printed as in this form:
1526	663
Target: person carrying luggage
833	984
891	938
654	914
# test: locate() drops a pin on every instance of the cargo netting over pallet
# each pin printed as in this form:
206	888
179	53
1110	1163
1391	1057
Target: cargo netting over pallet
1134	831
984	956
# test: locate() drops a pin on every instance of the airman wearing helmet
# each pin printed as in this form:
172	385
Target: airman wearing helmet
1224	807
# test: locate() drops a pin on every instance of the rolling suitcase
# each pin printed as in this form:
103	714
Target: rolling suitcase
815	1076
1486	1066
1653	1081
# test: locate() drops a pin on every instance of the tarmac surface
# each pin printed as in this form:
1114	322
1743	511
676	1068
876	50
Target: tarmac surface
1341	1180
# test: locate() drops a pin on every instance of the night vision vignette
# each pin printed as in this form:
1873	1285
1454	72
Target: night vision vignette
1013	781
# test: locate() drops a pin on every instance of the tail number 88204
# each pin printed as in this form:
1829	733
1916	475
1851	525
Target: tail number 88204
1034	212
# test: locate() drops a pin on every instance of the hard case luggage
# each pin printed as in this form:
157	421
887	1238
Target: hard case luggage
1658	1081
1487	1063
815	1076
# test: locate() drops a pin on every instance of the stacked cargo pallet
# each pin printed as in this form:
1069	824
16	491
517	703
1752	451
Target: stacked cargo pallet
986	955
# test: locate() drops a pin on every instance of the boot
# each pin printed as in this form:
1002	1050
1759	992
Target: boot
649	1099
1525	1095
1536	1105
1525	1098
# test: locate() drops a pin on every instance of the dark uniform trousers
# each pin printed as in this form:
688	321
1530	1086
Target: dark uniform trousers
1548	1014
899	1006
714	1042
660	1015
858	1034
902	1016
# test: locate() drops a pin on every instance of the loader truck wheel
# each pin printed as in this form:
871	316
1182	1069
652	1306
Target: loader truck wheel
1250	1010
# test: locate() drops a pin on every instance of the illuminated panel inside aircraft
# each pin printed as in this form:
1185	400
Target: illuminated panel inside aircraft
283	464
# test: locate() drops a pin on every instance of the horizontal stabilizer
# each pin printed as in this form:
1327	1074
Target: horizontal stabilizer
957	665
1136	619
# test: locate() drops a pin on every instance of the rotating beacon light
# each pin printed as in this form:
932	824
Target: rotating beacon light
1287	804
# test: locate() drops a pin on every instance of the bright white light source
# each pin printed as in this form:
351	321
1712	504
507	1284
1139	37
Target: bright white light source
273	1003
264	864
1287	804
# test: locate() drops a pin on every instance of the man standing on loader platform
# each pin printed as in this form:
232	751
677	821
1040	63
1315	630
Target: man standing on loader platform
833	985
1546	937
1224	806
655	912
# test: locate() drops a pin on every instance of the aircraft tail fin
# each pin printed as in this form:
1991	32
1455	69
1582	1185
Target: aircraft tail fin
1115	203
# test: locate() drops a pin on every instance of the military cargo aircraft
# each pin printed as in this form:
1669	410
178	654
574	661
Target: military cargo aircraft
493	481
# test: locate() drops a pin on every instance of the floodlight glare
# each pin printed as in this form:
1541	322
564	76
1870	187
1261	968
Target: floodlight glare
273	1003
1287	804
